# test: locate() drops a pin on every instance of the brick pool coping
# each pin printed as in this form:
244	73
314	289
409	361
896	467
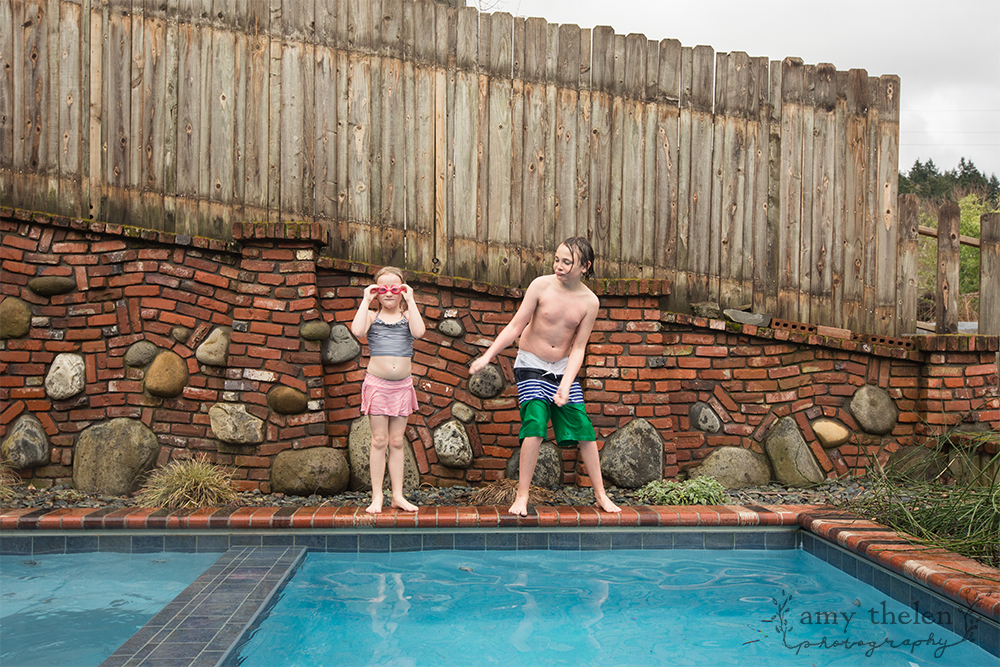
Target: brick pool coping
957	578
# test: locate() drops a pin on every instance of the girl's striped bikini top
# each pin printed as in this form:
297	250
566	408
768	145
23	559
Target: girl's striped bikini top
390	340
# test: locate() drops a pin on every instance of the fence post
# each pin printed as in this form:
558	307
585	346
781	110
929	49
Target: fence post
906	279
989	274
946	318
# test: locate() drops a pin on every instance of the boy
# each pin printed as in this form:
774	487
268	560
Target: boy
552	326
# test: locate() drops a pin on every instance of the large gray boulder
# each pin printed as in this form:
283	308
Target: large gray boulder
167	376
633	455
233	424
451	443
548	469
303	472
26	444
792	460
874	410
112	457
734	468
359	445
340	346
66	377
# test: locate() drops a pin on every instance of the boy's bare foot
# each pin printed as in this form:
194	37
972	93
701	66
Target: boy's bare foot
608	506
404	504
520	507
376	506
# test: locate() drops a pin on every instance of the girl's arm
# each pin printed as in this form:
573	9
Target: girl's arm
363	318
417	328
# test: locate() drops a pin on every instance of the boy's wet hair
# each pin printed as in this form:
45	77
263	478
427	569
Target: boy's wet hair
390	269
583	251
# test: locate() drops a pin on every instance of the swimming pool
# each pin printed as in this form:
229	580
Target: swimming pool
76	609
677	607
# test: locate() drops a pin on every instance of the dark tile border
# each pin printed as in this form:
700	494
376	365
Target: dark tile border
983	632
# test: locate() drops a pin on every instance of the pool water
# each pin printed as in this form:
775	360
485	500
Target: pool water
70	610
678	607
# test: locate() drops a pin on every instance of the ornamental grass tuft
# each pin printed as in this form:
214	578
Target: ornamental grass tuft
949	498
191	483
697	491
503	492
8	480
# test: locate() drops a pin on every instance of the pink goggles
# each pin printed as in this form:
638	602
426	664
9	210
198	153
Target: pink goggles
394	289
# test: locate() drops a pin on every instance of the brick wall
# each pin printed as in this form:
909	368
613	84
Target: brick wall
644	362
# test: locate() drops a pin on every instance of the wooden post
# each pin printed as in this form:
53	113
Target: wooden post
906	280
947	269
989	275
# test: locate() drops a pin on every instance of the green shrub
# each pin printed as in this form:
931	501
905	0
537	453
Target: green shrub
192	483
698	491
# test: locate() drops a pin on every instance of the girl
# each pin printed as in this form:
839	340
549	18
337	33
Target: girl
387	394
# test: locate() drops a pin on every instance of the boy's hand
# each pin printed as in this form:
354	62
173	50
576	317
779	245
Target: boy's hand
478	365
562	396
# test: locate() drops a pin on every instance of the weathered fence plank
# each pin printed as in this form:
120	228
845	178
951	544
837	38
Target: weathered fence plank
948	245
755	224
602	78
69	102
8	67
855	193
632	155
497	226
989	274
667	96
790	269
888	223
824	196
909	223
535	120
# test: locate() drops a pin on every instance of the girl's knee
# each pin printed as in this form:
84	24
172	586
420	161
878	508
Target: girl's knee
379	443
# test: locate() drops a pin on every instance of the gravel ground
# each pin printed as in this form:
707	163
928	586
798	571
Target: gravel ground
775	494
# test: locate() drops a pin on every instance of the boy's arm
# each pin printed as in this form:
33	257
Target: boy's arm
577	353
362	319
513	329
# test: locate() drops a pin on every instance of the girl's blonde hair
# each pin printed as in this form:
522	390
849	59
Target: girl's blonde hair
390	269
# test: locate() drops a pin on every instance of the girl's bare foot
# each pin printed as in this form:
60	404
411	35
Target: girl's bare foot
605	504
404	504
376	506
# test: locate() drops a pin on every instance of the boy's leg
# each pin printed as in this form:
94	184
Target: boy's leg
592	459
397	463
526	470
376	459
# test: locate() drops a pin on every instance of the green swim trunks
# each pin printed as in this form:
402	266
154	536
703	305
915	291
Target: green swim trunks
535	394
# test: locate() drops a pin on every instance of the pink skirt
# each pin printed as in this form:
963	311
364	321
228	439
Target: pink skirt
395	398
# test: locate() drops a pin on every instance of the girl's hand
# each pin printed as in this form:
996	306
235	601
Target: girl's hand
370	293
407	292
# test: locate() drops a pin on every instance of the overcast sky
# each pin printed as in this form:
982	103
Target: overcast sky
947	54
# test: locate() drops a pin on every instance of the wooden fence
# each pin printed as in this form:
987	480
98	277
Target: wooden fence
441	139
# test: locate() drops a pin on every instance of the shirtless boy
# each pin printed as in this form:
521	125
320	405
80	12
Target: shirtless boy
552	326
